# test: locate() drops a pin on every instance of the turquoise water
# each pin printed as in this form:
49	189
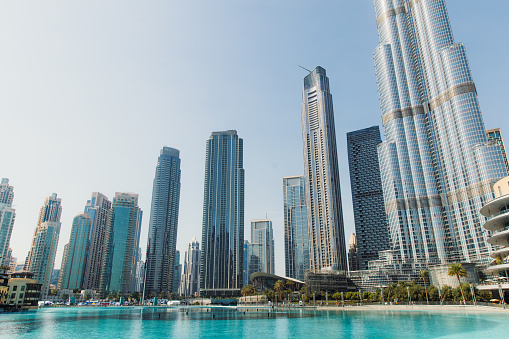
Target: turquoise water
135	322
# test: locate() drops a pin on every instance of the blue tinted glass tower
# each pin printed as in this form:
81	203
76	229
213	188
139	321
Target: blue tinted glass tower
162	238
7	216
221	272
436	166
74	259
122	244
296	227
321	173
367	195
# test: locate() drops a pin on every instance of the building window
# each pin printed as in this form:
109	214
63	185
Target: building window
22	288
15	288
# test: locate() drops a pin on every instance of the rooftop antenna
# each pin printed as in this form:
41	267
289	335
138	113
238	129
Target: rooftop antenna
304	68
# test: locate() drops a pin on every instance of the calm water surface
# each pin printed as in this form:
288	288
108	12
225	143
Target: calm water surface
135	322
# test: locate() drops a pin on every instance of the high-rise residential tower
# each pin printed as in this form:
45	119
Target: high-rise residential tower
436	166
222	256
177	274
353	253
321	173
98	208
262	242
41	257
162	234
191	274
7	216
122	244
494	134
367	195
296	227
72	270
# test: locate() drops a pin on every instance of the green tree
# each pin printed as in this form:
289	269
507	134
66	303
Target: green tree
424	275
433	293
279	286
65	296
271	295
447	293
336	296
456	270
4	268
290	284
247	290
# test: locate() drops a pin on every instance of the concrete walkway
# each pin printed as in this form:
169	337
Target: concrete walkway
431	308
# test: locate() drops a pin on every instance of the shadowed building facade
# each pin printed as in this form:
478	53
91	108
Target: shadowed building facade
162	238
321	174
222	257
367	195
98	208
437	167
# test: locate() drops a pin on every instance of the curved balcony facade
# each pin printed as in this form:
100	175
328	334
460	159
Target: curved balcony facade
497	213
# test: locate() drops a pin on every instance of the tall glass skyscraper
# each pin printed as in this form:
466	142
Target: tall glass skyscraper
72	270
98	208
41	257
122	244
436	165
321	173
367	195
262	242
191	275
7	216
495	135
221	272
296	227
162	234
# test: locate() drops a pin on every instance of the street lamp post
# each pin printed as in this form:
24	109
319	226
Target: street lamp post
382	293
314	302
326	298
360	297
408	292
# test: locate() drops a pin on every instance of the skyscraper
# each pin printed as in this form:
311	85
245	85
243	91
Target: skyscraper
98	208
221	271
436	166
122	244
353	258
177	274
74	259
296	227
162	237
321	173
7	216
367	195
495	135
262	242
191	274
41	257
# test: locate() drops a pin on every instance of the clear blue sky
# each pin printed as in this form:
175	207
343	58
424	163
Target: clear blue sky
91	90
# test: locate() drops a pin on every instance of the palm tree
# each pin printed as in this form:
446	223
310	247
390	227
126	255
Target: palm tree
424	274
247	290
289	283
5	268
279	286
458	271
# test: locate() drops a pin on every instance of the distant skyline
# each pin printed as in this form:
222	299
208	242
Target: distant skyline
106	86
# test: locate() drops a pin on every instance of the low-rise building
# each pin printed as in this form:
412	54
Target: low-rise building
23	291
